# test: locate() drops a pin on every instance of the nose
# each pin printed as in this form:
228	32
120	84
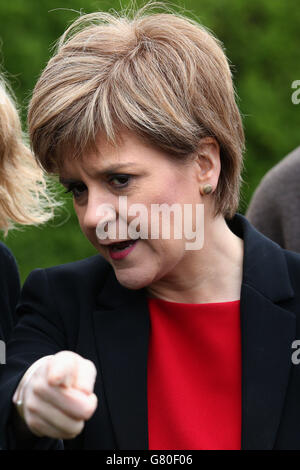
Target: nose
99	211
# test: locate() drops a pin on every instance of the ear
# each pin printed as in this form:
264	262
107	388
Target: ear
208	161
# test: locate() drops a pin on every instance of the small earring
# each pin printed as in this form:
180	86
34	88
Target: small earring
207	189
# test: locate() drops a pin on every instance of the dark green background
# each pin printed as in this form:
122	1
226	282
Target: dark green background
261	38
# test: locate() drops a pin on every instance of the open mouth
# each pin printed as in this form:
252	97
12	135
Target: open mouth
121	250
121	245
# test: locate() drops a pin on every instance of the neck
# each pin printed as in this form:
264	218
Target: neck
212	274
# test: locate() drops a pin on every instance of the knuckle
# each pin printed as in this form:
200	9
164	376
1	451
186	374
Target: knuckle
85	414
89	409
60	362
39	386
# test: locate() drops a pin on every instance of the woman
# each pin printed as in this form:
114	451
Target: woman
22	190
151	344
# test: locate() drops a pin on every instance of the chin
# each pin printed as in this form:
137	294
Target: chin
134	278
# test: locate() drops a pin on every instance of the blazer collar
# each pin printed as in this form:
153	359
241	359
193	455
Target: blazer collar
262	259
267	330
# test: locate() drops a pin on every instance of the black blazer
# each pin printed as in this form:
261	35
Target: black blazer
81	307
9	292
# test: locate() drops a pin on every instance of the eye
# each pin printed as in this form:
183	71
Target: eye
119	181
77	189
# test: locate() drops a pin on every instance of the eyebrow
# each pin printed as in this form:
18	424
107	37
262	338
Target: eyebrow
111	169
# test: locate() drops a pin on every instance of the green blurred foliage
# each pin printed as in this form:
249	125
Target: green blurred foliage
261	41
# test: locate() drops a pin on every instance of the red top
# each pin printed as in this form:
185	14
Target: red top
194	376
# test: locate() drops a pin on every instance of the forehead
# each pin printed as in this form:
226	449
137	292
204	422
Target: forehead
131	151
101	155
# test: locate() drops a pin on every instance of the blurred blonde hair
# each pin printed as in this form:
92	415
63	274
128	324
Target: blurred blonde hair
162	76
24	198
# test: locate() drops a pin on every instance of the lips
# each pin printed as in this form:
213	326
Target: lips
121	245
120	250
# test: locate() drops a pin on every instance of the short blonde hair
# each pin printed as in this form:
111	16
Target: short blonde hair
23	194
162	76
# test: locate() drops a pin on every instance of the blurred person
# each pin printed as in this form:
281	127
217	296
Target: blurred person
22	189
149	344
275	205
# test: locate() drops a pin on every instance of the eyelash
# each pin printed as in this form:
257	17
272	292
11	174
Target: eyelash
124	185
72	187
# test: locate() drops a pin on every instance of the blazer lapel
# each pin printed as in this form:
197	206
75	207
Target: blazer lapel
122	332
267	332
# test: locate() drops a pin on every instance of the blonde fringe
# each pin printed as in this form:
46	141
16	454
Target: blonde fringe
25	198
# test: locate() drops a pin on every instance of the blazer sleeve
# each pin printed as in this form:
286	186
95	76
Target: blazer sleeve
9	292
39	332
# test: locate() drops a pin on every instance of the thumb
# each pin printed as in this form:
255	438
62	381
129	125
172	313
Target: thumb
62	369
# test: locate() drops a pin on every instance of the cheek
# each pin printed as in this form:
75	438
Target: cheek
176	189
168	193
167	252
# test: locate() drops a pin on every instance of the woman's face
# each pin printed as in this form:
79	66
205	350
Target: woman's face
145	176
